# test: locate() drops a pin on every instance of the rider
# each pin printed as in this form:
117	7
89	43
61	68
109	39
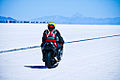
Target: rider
52	34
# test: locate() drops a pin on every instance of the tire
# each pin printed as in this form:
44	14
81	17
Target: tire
48	62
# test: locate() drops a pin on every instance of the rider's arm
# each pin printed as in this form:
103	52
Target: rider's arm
44	36
60	37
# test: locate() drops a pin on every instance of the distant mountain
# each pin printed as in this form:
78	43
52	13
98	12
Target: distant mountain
75	19
79	19
6	18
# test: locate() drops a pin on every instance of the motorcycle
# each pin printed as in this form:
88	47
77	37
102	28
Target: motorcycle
50	53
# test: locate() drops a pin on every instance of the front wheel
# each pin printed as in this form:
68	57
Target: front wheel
48	62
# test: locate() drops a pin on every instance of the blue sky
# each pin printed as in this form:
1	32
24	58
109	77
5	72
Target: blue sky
28	9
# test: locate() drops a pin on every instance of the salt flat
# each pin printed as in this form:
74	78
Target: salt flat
88	60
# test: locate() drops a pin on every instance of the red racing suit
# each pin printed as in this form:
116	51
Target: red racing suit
53	36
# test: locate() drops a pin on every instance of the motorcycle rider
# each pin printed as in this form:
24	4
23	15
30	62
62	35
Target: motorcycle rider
52	34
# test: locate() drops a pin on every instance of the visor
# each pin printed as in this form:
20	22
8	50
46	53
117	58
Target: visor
51	26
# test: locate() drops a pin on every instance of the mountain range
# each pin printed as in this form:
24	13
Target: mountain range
2	18
79	20
75	19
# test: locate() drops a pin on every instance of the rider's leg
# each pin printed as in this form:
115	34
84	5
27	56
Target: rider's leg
59	52
43	54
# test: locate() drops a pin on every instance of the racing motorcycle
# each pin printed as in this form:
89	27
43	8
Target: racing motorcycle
51	53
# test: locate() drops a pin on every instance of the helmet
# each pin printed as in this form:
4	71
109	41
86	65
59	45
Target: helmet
51	26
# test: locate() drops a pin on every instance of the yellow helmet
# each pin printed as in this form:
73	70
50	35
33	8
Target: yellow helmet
51	26
51	23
